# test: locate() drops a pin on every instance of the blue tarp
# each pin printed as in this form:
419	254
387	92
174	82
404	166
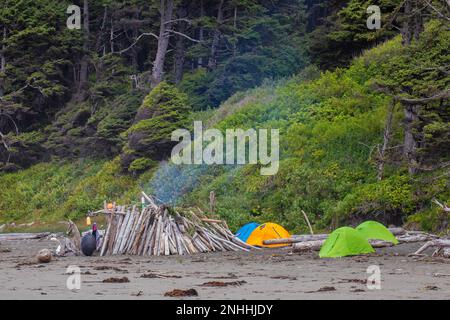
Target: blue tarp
244	232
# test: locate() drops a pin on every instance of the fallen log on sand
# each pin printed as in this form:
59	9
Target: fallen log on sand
405	238
316	237
442	247
315	245
22	236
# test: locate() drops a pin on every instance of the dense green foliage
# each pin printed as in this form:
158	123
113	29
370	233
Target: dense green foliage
86	115
164	110
56	191
330	127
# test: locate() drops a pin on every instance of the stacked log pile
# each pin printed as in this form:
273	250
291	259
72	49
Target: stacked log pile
160	230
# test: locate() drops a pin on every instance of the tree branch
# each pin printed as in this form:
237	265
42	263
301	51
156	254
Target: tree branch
137	40
441	95
184	35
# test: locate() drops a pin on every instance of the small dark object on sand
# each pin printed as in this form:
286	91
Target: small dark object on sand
361	281
431	287
223	284
323	289
159	276
181	293
116	280
102	268
44	256
284	277
138	294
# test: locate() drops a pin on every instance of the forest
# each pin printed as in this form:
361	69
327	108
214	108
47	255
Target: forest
90	92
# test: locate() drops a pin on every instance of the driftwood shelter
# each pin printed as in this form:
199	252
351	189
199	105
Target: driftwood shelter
161	230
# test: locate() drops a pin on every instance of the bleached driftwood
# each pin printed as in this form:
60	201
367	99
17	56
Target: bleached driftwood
315	237
317	244
159	230
22	236
441	245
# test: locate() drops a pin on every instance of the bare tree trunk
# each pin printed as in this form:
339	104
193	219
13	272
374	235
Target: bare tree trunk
179	59
386	140
201	32
418	22
3	63
166	11
235	27
410	143
100	38
212	63
412	21
406	26
111	37
180	47
85	60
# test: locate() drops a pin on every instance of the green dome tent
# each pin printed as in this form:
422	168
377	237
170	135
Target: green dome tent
376	231
343	242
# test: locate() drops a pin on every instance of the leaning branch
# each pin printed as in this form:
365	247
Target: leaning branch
146	34
441	95
185	36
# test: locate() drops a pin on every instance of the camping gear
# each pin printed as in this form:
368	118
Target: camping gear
88	221
89	241
245	231
344	242
372	230
267	231
161	230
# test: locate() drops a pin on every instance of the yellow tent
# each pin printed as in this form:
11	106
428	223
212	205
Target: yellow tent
267	231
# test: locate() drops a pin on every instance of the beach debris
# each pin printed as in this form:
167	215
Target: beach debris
442	248
5	250
44	256
323	289
161	230
117	269
116	280
223	284
159	276
181	293
284	277
22	236
304	243
229	276
138	294
432	288
360	281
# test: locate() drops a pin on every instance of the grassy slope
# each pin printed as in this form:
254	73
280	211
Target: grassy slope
328	123
328	128
58	190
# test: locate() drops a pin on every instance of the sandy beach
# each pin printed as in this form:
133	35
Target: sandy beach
265	274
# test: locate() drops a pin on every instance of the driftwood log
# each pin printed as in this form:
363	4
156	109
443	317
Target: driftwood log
315	237
407	237
22	236
442	247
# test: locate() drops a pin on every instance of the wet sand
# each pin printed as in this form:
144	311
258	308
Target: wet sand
265	274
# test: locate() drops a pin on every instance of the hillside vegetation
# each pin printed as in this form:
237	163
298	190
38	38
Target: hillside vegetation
332	127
